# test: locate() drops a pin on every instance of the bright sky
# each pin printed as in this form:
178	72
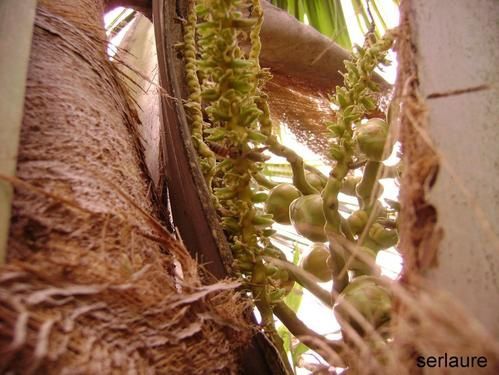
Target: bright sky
109	18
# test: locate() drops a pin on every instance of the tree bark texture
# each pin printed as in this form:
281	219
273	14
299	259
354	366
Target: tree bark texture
93	282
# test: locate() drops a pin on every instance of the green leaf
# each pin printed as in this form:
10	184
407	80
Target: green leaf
296	254
282	170
326	16
340	34
374	7
297	351
294	298
285	335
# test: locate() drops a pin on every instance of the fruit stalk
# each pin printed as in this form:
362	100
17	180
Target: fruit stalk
295	160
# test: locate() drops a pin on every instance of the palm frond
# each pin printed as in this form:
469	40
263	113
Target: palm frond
326	16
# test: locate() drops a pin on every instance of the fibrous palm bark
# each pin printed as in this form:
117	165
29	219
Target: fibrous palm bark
93	282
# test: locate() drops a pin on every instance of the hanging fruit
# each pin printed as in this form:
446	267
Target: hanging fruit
316	262
385	238
315	180
366	295
349	184
363	261
307	217
279	200
357	221
371	139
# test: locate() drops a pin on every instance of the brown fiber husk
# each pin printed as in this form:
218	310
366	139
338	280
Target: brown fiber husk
93	283
418	228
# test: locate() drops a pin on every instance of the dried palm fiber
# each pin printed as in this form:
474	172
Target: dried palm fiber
304	109
93	283
418	231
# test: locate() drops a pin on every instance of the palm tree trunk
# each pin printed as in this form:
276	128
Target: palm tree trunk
449	194
93	282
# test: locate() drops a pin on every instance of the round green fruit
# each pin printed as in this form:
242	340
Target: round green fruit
369	298
371	138
316	262
349	184
308	218
315	180
385	238
279	200
364	261
357	221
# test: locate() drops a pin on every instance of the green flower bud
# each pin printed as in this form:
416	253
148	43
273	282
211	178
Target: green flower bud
216	134
256	136
259	197
210	94
268	232
244	23
337	153
231	224
225	193
262	220
337	128
316	181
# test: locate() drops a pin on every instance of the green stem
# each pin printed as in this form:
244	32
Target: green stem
304	279
262	302
264	181
297	165
337	264
365	187
345	229
295	160
306	335
317	172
